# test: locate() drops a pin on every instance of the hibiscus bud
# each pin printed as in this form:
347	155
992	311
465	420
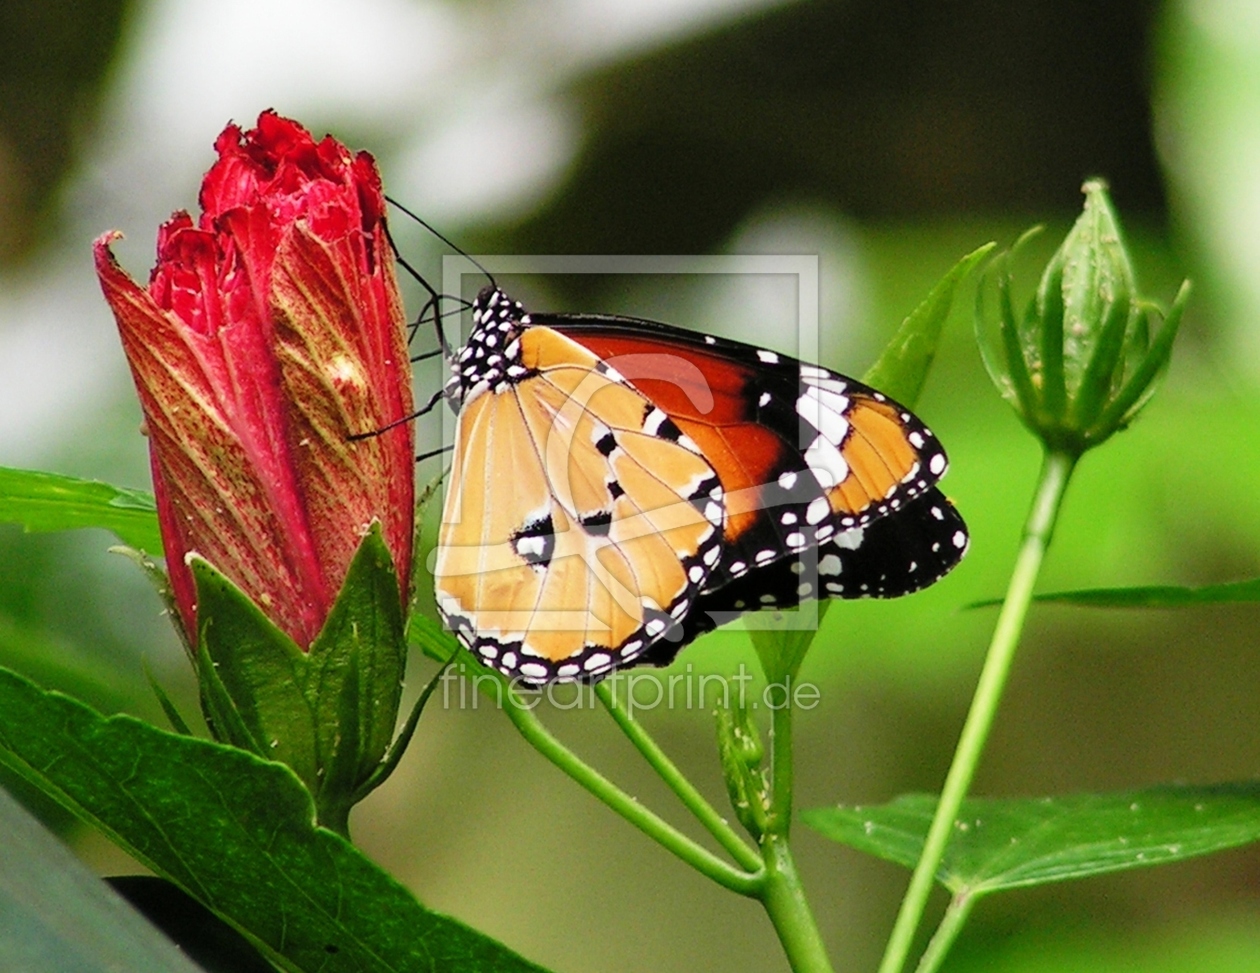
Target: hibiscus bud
269	339
270	332
1087	353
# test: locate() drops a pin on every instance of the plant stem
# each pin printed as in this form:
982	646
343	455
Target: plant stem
785	903
694	801
951	925
1056	470
660	831
782	895
334	817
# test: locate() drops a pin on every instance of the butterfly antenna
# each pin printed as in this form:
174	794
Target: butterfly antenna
458	249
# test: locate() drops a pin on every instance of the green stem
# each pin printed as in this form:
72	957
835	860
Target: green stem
785	903
781	766
334	817
1056	470
951	925
694	801
783	896
663	833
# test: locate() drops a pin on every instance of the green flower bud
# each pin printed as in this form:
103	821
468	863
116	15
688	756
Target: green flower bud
1084	357
741	752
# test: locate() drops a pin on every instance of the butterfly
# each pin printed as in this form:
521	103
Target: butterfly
621	486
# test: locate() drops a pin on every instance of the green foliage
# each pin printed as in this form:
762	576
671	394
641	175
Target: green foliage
1002	844
330	713
48	501
57	915
903	365
238	834
1160	596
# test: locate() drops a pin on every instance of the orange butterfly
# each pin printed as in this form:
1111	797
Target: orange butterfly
621	486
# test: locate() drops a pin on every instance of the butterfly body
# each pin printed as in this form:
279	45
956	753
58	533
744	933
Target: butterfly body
621	486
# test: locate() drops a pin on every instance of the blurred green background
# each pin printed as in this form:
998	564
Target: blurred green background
889	139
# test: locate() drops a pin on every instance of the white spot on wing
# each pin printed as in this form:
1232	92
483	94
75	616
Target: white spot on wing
828	466
828	421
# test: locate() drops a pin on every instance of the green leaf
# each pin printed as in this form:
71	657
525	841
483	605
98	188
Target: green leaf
1160	596
57	915
48	501
238	834
902	368
1010	843
1149	596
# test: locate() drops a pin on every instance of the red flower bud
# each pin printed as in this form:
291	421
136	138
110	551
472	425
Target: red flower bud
270	332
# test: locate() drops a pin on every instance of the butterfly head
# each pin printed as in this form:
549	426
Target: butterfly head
492	355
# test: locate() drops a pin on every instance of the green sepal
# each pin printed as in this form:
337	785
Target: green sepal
431	638
1053	371
161	583
420	579
354	684
173	715
741	751
1145	378
251	675
1004	356
329	713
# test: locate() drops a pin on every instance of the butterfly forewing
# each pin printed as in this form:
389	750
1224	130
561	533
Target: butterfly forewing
580	523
